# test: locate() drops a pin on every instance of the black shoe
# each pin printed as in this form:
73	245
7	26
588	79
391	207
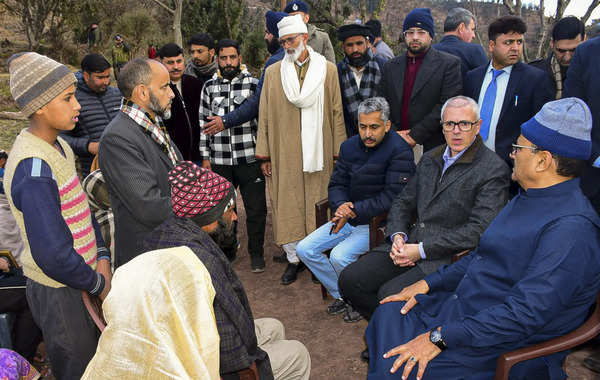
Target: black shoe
314	279
291	274
351	316
364	355
337	307
281	258
592	362
257	263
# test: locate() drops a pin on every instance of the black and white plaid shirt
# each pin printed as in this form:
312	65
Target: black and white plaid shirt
235	145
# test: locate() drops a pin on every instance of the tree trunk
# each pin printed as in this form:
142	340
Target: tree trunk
363	10
543	32
177	23
589	11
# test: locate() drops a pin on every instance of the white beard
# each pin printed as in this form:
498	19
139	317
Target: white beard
293	57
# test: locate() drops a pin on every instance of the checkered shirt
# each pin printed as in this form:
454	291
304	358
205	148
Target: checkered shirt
235	145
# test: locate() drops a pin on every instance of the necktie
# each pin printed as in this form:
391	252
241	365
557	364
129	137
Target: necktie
487	107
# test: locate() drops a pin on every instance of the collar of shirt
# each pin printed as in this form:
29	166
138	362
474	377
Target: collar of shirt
448	160
507	69
300	64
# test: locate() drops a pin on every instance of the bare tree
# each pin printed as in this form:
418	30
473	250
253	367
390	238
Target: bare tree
589	11
175	10
543	33
37	17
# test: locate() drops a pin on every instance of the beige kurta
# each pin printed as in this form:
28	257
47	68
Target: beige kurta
293	192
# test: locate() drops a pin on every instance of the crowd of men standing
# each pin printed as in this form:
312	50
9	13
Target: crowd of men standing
175	140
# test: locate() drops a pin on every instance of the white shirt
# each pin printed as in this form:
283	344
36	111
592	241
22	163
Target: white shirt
501	85
358	74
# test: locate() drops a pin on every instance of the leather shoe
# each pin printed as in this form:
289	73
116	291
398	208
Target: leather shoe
281	258
291	273
257	263
351	316
364	355
337	307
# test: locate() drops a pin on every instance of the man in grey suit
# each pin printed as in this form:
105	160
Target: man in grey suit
136	154
457	190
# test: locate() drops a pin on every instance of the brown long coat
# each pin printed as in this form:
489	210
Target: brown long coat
293	192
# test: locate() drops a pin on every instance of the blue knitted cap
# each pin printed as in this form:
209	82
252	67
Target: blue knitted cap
272	18
297	6
420	18
563	127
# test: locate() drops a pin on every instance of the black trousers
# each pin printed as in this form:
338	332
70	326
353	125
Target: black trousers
251	182
70	335
26	334
373	277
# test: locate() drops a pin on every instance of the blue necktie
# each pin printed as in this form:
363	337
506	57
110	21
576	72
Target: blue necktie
487	107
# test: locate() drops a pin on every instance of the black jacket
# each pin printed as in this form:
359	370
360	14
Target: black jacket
438	80
183	126
471	55
97	110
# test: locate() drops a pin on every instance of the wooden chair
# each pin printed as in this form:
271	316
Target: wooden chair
585	332
376	233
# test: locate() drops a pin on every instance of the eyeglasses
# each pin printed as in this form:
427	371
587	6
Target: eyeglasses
463	125
516	147
415	33
288	40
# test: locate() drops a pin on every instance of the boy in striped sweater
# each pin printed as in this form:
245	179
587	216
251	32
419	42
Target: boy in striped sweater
64	251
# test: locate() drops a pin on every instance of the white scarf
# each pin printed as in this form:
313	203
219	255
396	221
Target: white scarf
310	100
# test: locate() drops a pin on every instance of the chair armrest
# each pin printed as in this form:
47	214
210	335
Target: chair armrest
460	255
585	332
94	308
377	233
322	212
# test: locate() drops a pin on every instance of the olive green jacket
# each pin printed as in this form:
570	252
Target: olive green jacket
319	41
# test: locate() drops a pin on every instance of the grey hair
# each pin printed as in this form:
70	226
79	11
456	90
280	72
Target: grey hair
135	72
461	101
375	104
455	17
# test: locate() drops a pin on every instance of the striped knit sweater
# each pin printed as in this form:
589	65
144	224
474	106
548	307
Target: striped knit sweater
74	205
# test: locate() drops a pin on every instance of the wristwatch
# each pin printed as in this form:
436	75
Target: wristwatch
436	338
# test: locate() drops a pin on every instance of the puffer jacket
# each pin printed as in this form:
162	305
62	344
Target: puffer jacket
370	178
97	110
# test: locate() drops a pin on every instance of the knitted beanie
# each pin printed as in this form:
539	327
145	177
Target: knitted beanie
198	193
291	25
36	79
297	6
420	18
562	127
272	18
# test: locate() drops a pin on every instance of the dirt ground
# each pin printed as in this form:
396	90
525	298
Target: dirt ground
334	345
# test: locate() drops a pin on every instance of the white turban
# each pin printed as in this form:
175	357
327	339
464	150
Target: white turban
291	25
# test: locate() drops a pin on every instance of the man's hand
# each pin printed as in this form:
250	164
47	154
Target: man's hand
338	224
93	148
419	350
398	253
405	135
214	126
4	265
408	294
346	210
103	267
206	164
266	168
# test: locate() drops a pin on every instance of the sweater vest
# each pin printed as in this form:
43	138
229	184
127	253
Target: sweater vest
73	201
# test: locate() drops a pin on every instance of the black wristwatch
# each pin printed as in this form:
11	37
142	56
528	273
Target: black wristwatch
435	337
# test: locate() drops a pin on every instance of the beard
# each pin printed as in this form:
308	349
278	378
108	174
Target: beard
359	61
225	237
294	54
163	112
230	72
273	45
422	48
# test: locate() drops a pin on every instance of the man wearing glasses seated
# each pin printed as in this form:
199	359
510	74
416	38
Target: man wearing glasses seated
457	190
533	277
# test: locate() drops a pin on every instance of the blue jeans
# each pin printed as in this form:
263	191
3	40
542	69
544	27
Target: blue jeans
346	246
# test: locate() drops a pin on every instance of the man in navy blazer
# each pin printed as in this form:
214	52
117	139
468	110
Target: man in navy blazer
521	90
459	30
583	81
